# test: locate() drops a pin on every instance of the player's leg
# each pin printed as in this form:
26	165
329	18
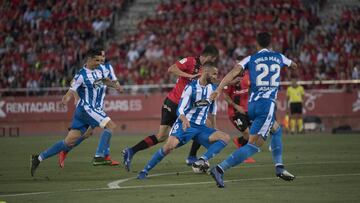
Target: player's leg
177	138
146	143
62	145
292	118
214	141
299	119
192	157
63	154
104	144
276	150
242	123
262	113
170	145
168	118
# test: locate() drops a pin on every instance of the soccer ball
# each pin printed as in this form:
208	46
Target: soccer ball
200	166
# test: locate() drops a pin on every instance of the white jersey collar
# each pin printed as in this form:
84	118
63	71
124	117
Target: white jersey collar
263	50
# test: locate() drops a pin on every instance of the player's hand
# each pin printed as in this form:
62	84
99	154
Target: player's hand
120	89
185	124
239	108
195	76
214	95
64	101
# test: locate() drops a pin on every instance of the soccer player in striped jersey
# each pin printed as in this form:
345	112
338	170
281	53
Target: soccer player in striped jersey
264	69
87	84
102	154
186	69
193	111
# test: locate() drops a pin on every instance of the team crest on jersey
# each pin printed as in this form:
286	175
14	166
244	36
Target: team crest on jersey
202	103
182	61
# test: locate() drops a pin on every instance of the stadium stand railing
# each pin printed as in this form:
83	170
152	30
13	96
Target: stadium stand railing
340	85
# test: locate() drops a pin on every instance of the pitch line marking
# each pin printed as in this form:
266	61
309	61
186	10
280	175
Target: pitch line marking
171	184
115	184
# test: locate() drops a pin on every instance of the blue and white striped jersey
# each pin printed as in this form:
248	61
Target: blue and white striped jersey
195	103
89	86
264	68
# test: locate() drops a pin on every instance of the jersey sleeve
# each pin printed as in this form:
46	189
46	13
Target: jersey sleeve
76	82
213	108
185	64
285	60
288	91
185	100
112	75
244	63
302	91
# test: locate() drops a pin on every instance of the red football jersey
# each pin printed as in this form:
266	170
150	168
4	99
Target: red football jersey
189	65
239	93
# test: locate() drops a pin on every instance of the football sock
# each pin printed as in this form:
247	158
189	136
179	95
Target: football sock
292	125
214	149
104	140
242	141
145	143
276	147
107	151
300	124
194	148
239	156
51	151
78	141
157	157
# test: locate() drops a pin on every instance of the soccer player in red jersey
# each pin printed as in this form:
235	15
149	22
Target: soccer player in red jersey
186	69
237	96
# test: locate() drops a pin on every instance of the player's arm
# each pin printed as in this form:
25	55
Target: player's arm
288	62
212	115
112	81
70	94
184	102
226	80
179	67
293	65
113	84
232	103
75	84
212	121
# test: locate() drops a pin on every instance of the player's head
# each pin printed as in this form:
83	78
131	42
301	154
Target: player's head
294	82
94	58
210	72
263	40
210	53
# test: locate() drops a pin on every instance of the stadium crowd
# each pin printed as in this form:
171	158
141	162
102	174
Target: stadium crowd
42	44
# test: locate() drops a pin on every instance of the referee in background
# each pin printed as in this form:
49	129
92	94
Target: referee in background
295	96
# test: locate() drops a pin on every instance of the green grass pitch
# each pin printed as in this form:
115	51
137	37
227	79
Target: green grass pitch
327	169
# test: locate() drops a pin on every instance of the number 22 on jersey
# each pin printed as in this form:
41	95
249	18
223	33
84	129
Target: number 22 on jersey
265	71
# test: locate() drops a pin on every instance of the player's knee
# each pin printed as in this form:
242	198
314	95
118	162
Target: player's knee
161	137
111	126
69	142
225	137
168	148
256	140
